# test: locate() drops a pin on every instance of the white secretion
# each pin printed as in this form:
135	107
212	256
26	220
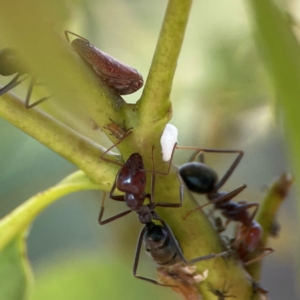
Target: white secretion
168	140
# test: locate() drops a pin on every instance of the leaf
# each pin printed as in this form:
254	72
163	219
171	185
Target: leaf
15	273
90	277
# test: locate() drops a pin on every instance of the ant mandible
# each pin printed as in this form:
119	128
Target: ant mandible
118	76
10	64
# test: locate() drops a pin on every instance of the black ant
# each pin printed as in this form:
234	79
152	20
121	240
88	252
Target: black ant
10	64
220	294
160	241
163	247
200	178
118	76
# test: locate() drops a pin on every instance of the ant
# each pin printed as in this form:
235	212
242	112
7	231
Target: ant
10	64
160	241
163	247
118	76
201	179
220	294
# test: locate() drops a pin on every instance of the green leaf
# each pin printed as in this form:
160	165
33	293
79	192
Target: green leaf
15	273
87	276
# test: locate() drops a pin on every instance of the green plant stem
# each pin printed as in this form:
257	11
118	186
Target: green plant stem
161	74
267	214
81	151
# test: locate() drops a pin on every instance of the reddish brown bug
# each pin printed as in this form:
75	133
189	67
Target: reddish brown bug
121	78
116	130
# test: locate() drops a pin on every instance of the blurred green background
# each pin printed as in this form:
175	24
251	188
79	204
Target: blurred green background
222	98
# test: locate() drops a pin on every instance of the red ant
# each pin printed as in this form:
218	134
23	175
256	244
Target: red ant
117	75
160	241
10	64
249	232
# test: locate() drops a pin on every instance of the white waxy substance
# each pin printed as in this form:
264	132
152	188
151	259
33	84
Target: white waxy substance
168	140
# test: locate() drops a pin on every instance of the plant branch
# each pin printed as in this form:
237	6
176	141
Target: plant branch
266	217
77	149
158	87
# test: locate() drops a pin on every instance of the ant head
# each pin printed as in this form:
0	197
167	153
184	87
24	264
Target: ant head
198	177
132	176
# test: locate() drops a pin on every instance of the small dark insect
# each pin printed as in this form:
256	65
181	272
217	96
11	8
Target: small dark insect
221	294
116	130
275	228
10	64
121	78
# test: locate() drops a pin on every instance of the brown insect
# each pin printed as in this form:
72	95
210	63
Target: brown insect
121	78
116	130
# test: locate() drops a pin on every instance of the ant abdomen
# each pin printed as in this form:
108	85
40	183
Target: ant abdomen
158	245
198	177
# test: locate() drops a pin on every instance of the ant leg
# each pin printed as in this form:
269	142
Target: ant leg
151	196
269	251
170	204
124	126
29	92
67	32
170	164
256	205
178	250
115	217
115	144
137	258
230	170
225	198
13	83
